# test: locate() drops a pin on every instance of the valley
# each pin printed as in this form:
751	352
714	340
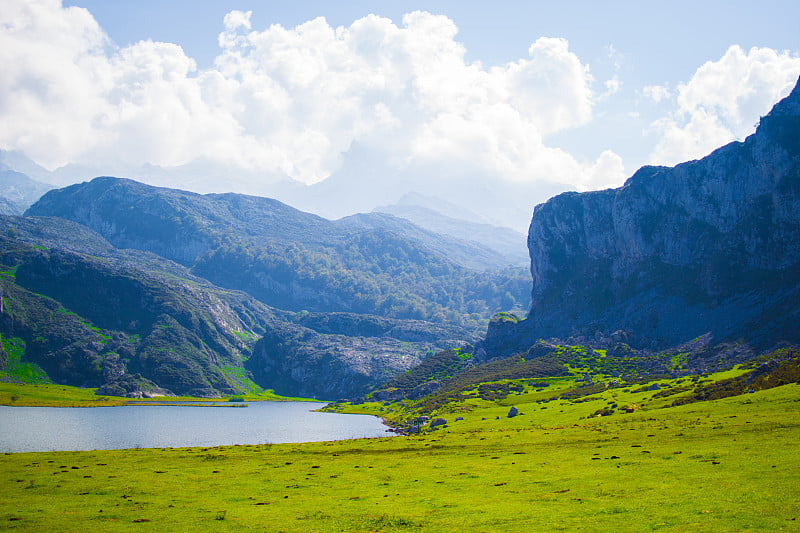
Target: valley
642	375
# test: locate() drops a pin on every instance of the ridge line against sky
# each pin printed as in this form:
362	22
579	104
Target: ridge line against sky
569	96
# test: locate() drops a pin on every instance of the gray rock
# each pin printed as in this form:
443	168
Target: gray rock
438	422
424	389
513	412
764	368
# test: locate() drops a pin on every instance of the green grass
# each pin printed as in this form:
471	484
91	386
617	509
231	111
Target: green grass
54	395
16	369
725	465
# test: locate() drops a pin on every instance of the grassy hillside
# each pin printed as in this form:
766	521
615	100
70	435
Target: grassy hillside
701	467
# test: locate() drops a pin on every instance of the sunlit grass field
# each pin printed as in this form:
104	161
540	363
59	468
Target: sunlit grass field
723	465
54	395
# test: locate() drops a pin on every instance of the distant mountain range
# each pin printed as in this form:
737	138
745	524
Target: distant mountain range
429	213
374	264
18	191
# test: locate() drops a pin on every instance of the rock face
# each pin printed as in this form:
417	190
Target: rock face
711	245
341	354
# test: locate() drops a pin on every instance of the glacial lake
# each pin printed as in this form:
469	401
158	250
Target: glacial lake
30	429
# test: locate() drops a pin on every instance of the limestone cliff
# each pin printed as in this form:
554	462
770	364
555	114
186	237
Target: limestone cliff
711	245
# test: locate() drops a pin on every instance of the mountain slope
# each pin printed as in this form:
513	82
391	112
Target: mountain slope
7	207
131	322
89	315
287	258
469	254
707	246
507	246
19	190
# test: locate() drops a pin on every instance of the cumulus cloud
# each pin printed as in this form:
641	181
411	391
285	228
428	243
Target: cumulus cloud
291	101
722	102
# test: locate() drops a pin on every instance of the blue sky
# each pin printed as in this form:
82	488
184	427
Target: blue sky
541	95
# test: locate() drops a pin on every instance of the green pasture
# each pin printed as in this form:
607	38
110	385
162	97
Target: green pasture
53	395
723	465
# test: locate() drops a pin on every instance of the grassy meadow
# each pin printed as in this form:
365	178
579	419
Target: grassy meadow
54	395
724	465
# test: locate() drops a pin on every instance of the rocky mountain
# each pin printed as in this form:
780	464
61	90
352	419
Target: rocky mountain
7	207
709	246
293	260
131	322
330	355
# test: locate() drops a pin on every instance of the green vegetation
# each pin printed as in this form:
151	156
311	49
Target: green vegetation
54	395
13	368
702	466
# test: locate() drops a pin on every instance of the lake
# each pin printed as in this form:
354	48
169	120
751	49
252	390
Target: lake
29	429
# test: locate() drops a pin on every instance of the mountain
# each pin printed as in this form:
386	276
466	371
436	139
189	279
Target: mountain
468	253
707	247
331	355
359	188
507	246
18	190
7	207
131	322
18	162
90	315
290	259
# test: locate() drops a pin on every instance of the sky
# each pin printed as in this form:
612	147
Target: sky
342	106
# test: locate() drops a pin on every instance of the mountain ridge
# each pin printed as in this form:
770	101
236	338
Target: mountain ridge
711	245
287	258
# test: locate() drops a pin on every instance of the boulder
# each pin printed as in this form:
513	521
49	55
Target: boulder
436	422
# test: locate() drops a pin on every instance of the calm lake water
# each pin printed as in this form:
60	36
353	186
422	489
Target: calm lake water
29	429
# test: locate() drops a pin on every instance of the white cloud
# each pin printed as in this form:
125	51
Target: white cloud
291	101
615	56
723	102
657	93
613	86
606	172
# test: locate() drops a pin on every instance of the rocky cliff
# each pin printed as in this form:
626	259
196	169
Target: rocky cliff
711	245
335	355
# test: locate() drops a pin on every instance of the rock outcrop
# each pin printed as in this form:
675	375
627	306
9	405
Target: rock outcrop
711	245
345	358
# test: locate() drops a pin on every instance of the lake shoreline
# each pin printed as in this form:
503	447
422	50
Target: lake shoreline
55	395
